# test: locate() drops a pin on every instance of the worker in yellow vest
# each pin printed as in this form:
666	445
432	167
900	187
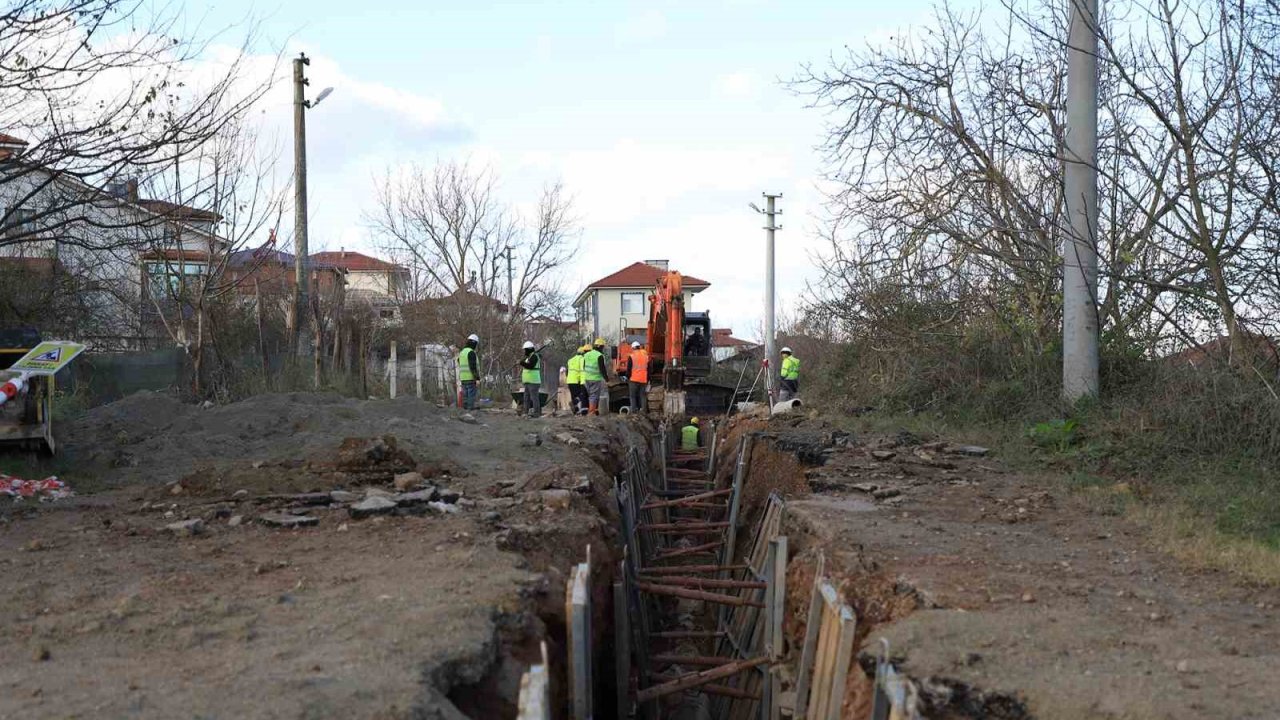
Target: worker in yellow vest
691	436
594	374
531	378
573	378
638	377
469	371
790	376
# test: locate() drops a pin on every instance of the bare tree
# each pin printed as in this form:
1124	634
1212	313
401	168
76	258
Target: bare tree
452	230
946	151
94	93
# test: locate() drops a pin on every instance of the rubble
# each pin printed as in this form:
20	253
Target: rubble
372	505
186	528
287	520
407	481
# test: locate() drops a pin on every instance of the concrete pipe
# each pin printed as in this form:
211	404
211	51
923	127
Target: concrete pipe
786	406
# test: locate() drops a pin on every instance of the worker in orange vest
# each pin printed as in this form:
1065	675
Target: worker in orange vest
638	377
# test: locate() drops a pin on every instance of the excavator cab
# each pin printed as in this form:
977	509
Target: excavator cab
697	344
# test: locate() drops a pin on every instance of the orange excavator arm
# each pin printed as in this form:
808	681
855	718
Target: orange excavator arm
666	328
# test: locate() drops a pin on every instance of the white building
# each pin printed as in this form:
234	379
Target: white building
116	248
382	284
618	304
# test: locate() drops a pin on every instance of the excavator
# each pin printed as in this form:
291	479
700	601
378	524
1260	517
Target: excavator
679	345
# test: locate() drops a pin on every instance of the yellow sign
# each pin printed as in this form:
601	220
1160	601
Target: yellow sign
48	358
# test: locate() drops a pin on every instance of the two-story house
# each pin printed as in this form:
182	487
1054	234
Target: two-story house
381	284
618	304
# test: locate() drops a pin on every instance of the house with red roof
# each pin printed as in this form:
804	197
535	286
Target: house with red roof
383	285
618	304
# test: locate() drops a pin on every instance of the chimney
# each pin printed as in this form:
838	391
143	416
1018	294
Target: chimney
131	189
662	265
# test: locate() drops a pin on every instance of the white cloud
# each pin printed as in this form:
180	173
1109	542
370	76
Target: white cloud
737	85
645	26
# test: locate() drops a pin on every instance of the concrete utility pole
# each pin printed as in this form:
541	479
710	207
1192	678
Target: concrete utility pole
301	263
770	331
1080	249
511	285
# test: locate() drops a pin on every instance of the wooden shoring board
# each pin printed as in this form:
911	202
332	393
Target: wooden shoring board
622	648
577	605
805	672
832	655
535	691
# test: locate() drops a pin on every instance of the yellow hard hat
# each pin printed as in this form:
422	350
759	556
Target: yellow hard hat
694	421
600	342
583	348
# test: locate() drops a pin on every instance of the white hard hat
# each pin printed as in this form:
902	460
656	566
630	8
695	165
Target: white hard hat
527	345
635	345
473	337
786	349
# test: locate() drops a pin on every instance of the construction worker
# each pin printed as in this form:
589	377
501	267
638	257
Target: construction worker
469	371
573	378
531	378
691	436
790	376
638	377
594	374
695	344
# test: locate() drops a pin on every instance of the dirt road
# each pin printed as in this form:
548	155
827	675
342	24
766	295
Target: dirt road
1005	597
430	612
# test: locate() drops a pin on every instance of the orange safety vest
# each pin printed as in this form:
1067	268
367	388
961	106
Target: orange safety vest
639	366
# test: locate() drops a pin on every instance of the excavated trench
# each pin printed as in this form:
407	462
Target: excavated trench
783	456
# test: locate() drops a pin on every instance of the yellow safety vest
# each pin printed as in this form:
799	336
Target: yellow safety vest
464	364
591	366
534	376
574	374
689	437
791	368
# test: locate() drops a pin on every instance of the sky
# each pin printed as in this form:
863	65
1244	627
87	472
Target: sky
664	120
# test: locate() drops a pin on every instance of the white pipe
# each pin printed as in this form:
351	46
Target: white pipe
787	406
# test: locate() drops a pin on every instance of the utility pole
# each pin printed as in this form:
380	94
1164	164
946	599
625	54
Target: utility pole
511	285
301	270
1080	249
770	331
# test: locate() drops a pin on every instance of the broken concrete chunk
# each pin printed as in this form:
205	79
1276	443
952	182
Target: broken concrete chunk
372	505
408	481
883	454
420	497
186	528
342	496
531	440
235	521
449	496
468	418
370	492
865	487
567	439
970	450
442	508
287	520
885	493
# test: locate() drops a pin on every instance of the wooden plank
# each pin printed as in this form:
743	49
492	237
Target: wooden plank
578	614
844	655
805	671
622	650
535	692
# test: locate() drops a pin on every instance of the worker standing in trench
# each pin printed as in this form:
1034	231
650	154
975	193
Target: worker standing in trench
531	378
790	376
469	371
594	374
638	377
573	378
691	436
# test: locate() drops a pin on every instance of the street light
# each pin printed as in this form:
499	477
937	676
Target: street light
301	261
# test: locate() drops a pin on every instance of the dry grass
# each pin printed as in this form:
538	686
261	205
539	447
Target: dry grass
1196	543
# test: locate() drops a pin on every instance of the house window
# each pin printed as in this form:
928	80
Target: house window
632	303
21	221
167	279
